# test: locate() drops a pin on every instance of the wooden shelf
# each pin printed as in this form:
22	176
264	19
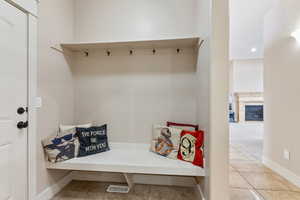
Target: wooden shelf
167	43
130	158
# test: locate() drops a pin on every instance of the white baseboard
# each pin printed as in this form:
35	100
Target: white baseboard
287	174
51	191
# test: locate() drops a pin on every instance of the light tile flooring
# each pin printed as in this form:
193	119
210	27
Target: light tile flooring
251	180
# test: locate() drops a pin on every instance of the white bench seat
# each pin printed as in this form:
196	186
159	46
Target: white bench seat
130	158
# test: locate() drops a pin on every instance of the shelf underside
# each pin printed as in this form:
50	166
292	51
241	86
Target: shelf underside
168	43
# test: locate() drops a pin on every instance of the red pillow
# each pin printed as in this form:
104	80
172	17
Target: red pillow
187	127
190	149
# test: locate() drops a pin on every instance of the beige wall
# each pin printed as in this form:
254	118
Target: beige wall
131	93
54	79
247	75
115	20
282	85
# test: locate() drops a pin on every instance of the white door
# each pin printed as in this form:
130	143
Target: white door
13	95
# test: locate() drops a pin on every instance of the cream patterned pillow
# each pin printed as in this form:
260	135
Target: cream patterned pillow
62	146
165	141
67	127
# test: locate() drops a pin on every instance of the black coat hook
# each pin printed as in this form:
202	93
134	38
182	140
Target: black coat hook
108	53
153	51
178	50
131	52
86	53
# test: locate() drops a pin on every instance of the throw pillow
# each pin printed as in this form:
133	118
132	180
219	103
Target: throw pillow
165	141
62	146
187	127
92	140
190	150
66	127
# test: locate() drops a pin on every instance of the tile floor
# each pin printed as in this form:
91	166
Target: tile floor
81	190
251	180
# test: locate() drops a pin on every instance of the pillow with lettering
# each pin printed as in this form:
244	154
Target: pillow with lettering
165	141
190	150
62	146
92	140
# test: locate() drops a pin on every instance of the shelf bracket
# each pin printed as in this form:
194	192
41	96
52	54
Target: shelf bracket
129	180
198	180
57	49
200	44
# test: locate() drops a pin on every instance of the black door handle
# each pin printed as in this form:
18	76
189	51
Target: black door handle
22	110
22	125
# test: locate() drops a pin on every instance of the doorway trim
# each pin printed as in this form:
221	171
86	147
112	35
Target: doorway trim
32	113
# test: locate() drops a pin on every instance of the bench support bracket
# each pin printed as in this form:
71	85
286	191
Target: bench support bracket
129	180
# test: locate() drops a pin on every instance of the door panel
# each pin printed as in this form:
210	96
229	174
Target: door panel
5	181
13	94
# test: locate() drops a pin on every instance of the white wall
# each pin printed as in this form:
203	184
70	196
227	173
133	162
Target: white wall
54	79
132	92
282	86
115	20
247	75
219	130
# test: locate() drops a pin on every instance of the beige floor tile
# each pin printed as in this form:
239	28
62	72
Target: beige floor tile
98	192
250	167
279	195
237	181
96	187
231	169
291	186
296	195
171	193
241	157
264	181
244	194
77	186
237	156
78	190
68	195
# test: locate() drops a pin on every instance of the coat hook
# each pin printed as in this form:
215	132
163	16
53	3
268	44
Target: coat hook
131	52
86	53
108	53
153	51
178	50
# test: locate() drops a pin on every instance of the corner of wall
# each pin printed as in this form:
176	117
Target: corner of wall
54	83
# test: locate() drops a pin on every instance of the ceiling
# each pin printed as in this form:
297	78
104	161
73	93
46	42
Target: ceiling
246	28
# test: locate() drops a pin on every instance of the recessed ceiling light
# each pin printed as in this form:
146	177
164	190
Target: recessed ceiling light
296	35
253	50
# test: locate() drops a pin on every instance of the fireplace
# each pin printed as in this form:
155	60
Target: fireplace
254	113
249	106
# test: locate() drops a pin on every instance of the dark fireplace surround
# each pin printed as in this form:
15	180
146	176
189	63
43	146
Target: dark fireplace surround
254	113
